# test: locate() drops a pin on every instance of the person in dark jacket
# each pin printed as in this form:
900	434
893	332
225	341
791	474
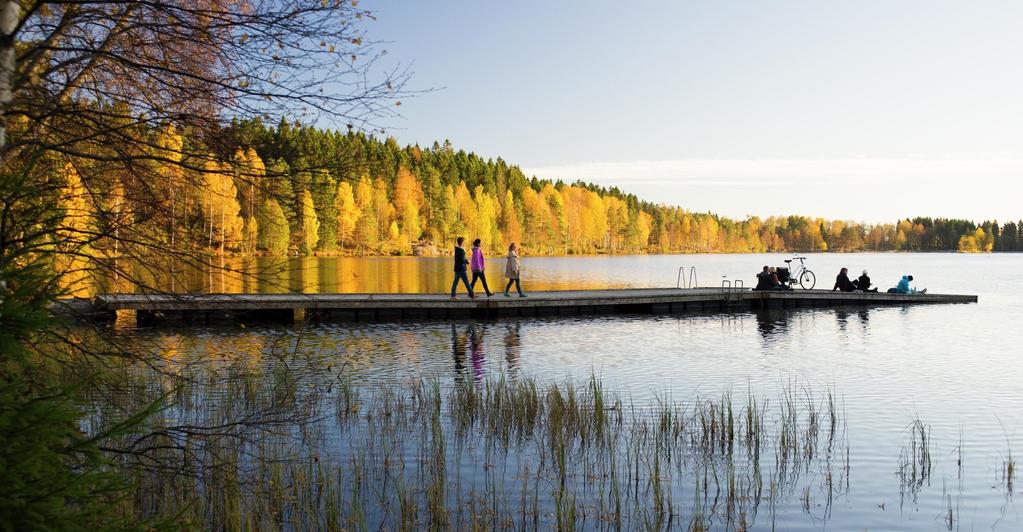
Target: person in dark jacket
842	281
776	283
460	263
863	282
764	281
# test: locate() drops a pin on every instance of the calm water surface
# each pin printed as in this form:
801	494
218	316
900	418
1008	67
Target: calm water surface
955	367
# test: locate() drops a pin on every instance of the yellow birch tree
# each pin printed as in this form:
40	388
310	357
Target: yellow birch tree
77	219
221	209
348	212
310	223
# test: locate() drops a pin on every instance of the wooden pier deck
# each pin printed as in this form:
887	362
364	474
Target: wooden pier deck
206	308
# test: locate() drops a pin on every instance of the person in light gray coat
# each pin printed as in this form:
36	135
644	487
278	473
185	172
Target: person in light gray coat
512	270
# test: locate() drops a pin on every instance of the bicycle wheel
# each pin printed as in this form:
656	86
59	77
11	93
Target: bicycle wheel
807	280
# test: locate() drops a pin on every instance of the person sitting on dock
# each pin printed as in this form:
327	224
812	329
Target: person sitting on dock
476	263
904	288
776	283
460	263
863	283
843	283
764	281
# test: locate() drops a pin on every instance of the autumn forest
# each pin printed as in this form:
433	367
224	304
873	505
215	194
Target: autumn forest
294	189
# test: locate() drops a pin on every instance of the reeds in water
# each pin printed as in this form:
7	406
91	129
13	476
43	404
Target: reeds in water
337	454
915	459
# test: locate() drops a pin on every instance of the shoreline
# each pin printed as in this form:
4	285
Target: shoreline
564	255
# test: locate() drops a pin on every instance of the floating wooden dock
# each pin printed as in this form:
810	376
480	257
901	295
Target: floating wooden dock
208	308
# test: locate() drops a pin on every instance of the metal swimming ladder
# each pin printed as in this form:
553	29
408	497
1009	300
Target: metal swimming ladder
681	283
731	291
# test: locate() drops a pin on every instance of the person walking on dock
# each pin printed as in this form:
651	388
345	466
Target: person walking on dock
460	263
476	263
512	270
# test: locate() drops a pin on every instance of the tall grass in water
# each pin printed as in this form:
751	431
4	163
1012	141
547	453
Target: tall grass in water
915	459
296	450
1009	471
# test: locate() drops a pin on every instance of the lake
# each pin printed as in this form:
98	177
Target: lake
876	418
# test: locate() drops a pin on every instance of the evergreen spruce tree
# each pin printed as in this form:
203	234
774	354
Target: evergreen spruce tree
324	193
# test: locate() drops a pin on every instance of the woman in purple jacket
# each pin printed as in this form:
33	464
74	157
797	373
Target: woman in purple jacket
476	263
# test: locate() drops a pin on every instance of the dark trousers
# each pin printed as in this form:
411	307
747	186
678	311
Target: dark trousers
517	286
482	277
863	286
461	276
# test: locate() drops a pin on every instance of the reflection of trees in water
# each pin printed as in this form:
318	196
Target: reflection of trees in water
725	453
318	274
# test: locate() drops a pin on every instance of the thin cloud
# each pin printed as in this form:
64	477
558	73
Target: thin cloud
856	189
782	172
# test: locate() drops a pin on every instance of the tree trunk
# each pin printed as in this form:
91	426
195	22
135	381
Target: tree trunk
10	12
173	215
223	227
210	217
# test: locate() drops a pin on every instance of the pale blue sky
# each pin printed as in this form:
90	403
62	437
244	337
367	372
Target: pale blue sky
735	107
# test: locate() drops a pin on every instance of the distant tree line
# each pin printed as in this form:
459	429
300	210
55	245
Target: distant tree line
295	189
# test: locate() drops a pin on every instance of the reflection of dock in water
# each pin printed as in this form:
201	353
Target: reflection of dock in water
204	308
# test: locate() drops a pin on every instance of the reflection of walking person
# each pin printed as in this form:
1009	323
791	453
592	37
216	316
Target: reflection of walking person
512	343
512	270
460	263
458	345
476	351
457	350
477	267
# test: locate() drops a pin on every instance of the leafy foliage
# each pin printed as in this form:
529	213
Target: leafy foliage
273	228
361	194
112	118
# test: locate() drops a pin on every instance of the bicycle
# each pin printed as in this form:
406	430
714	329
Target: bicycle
801	274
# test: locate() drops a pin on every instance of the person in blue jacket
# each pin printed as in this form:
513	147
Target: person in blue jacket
904	288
